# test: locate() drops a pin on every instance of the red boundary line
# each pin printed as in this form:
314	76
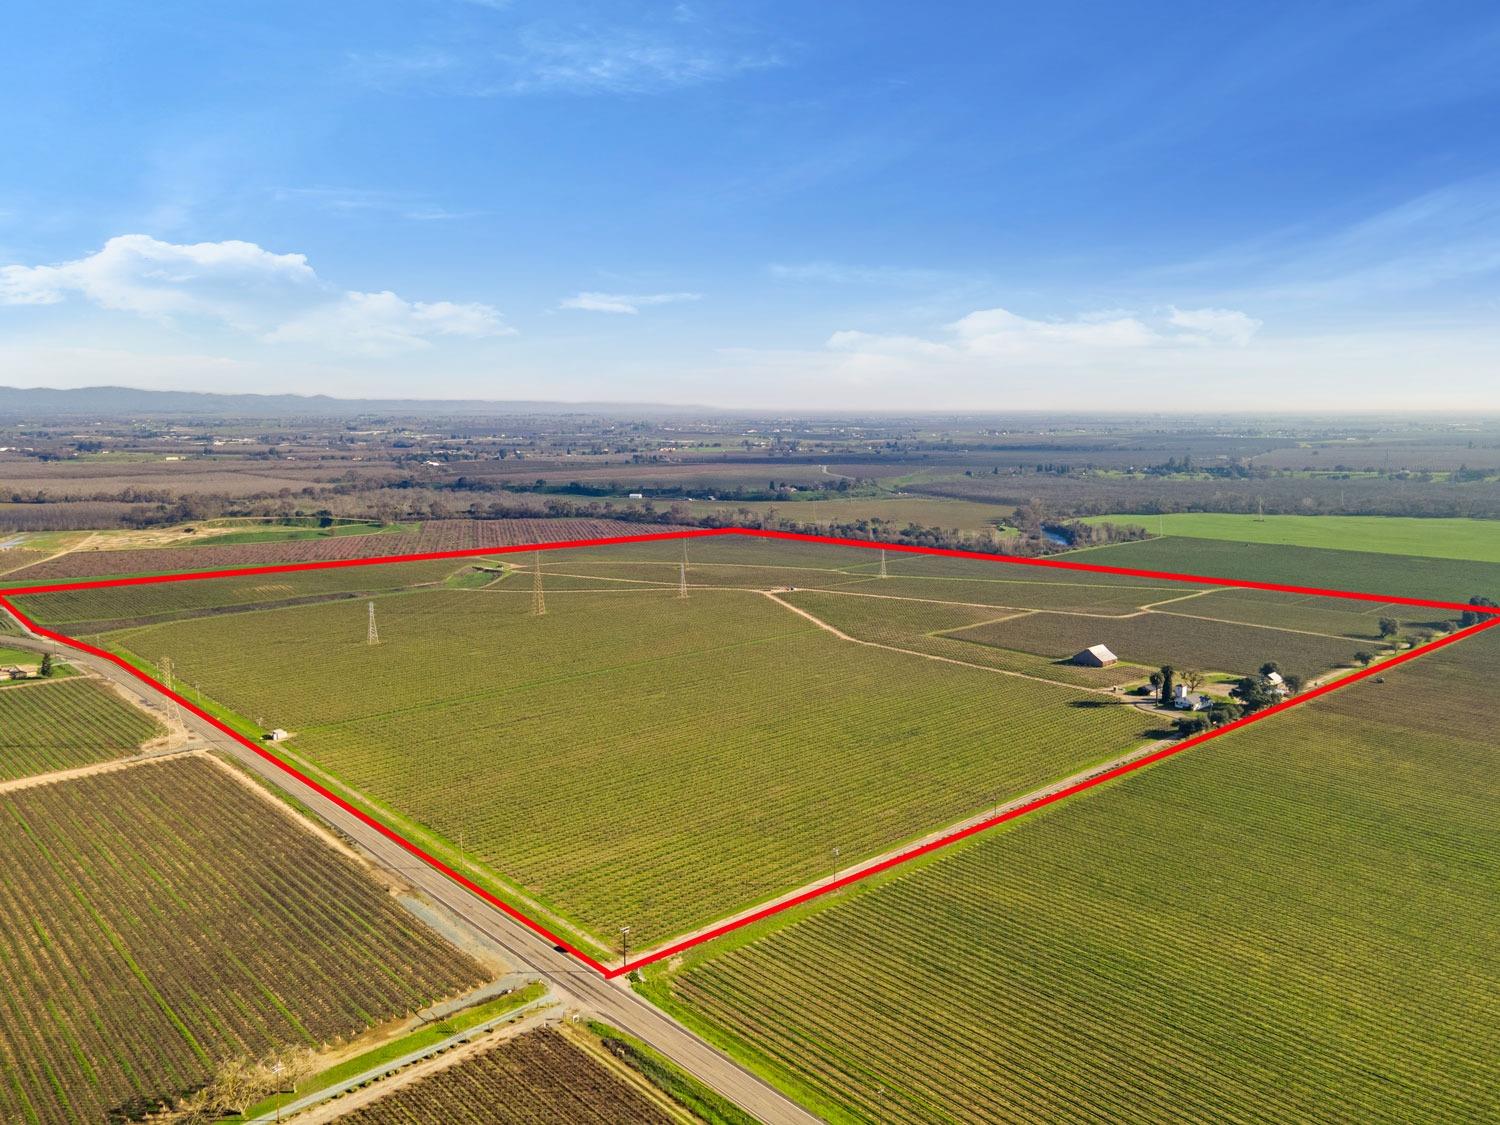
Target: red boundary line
687	943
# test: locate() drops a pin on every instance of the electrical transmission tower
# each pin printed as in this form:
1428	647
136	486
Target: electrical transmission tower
372	635
883	573
682	573
538	599
173	711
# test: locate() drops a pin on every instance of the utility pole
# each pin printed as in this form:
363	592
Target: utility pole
883	573
682	573
276	1070
372	635
538	599
174	712
624	946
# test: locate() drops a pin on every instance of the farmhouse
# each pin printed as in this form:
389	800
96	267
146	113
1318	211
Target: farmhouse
1096	656
1184	700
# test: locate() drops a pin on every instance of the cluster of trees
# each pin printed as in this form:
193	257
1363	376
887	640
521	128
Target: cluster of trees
1250	694
1036	521
774	490
1095	492
1257	692
1474	616
239	1084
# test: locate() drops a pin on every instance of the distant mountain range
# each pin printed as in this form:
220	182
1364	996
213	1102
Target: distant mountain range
128	402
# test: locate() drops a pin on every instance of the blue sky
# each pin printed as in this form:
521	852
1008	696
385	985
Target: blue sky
841	204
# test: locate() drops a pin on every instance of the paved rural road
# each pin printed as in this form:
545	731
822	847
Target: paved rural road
614	1003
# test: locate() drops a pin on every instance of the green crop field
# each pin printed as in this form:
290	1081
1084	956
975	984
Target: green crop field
1079	593
1477	540
57	725
1291	923
924	626
1364	571
1169	638
597	758
1340	616
95	610
158	920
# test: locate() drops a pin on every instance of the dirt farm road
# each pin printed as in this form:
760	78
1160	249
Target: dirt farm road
612	1002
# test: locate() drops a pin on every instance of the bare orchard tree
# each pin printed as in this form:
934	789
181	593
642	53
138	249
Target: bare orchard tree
240	1083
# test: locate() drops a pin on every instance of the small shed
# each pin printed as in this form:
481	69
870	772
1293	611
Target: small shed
277	735
1096	656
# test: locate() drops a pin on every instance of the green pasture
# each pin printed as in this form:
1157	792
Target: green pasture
1475	540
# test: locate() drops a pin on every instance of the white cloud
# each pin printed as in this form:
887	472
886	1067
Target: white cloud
379	323
630	303
1229	325
1000	333
1091	338
275	297
997	357
135	273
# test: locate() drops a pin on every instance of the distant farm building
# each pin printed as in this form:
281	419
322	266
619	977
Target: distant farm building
277	735
1277	684
14	672
1096	656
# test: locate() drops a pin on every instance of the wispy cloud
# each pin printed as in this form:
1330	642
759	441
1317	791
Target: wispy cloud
355	201
629	303
383	323
838	273
273	297
1450	234
620	62
669	51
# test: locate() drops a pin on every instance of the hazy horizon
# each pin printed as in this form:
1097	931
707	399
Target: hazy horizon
759	206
